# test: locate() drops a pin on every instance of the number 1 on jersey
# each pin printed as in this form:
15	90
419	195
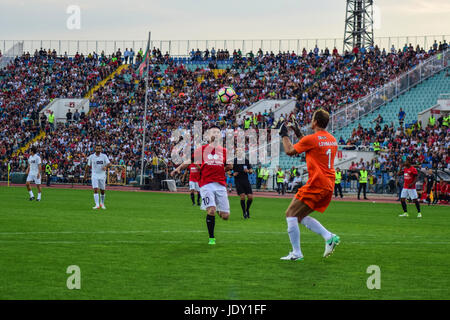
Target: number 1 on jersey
328	153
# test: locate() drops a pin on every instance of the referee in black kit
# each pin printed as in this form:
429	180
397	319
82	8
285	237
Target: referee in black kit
243	187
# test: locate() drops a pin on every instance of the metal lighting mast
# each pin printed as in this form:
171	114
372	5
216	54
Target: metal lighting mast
358	24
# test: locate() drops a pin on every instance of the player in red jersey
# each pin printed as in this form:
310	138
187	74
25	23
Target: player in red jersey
212	162
409	187
320	149
194	178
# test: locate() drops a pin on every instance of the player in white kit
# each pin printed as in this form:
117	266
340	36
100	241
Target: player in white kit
99	163
34	173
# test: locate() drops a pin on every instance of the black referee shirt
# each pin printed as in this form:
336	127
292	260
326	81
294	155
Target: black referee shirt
239	168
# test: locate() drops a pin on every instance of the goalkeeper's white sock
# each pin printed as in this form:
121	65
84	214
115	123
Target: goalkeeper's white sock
31	193
96	199
294	235
39	196
315	226
102	198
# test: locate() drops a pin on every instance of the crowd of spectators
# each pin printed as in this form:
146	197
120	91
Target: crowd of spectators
31	82
428	146
178	96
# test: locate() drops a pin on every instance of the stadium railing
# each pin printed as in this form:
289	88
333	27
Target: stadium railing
184	47
389	91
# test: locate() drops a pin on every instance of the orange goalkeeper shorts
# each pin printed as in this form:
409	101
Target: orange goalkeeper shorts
316	198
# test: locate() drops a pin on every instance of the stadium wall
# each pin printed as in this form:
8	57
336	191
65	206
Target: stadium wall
61	106
442	107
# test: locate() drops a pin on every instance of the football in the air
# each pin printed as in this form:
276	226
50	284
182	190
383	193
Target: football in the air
226	94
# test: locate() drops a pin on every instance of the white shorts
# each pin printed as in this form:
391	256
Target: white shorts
215	195
409	193
194	186
98	183
33	178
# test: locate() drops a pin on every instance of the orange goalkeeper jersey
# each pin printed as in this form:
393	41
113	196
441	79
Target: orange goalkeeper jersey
320	149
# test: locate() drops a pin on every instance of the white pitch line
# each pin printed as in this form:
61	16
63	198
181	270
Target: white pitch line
203	242
178	231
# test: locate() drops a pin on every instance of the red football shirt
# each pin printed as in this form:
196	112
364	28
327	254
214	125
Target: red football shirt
213	161
194	173
409	174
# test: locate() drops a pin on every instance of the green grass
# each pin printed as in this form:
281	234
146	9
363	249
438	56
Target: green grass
154	246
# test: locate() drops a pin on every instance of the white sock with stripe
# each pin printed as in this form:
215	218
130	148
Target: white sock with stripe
315	226
96	199
294	235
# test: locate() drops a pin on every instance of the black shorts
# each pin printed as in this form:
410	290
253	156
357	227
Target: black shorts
243	187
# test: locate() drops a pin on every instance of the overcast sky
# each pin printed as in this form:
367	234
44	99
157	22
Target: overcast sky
213	19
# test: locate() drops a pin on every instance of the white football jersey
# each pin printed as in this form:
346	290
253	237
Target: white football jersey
34	162
97	163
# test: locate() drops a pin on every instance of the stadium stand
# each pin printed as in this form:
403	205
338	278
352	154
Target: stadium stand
30	82
183	91
423	96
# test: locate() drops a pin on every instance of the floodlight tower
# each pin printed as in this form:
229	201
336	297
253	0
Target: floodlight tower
358	24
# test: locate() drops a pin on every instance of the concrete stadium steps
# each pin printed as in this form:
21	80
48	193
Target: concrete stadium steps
419	98
40	136
119	69
218	72
88	95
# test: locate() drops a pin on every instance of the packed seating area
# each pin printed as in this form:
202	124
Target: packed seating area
32	81
178	96
428	145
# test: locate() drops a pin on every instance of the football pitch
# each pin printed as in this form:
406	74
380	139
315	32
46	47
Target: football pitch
154	246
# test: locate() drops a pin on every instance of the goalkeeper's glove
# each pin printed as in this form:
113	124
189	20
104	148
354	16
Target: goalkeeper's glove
281	127
294	125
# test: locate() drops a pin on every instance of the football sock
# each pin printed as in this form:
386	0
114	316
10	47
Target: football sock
96	199
102	199
404	206
418	206
198	198
249	203
315	226
31	193
243	206
39	196
193	198
210	223
294	235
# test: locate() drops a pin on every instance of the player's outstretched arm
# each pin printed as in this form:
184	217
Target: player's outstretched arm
283	132
288	147
182	166
295	126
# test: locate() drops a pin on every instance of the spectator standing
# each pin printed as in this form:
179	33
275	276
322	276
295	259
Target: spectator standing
337	183
401	117
280	181
48	173
69	117
259	176
362	177
131	56
126	55
43	121
51	120
76	116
